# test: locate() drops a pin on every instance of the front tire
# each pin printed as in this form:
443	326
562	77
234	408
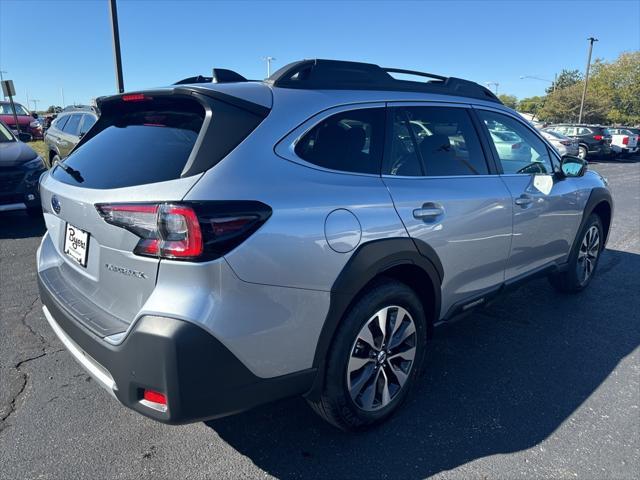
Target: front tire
583	259
374	360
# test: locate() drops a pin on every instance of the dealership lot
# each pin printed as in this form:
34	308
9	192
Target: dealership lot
538	384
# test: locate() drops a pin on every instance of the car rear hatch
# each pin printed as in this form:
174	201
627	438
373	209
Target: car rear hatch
146	150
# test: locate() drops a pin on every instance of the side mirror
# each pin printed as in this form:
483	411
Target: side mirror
25	137
573	166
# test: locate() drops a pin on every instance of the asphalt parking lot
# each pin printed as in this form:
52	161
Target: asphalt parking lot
538	384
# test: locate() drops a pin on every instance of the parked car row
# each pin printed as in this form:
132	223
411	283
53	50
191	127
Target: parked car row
586	141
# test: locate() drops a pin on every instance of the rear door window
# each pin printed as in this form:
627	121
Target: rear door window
350	141
87	122
60	122
73	124
434	141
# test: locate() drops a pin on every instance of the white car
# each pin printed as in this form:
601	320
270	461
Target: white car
563	145
624	141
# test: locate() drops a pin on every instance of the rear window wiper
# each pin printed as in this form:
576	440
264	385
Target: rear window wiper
75	174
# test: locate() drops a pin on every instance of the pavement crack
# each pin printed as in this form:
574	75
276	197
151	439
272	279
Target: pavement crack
44	344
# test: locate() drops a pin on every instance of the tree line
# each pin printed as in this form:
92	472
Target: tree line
613	94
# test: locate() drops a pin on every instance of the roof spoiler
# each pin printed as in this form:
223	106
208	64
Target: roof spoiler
341	75
220	75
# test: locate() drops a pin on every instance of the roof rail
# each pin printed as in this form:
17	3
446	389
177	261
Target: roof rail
342	75
220	75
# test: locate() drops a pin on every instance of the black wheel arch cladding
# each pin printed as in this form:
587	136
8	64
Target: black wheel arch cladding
368	262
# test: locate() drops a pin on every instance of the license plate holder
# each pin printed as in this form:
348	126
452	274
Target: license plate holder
76	244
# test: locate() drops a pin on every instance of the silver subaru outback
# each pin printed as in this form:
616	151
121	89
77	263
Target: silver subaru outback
222	243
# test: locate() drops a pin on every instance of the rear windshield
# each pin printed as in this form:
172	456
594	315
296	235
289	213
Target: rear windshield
153	140
135	144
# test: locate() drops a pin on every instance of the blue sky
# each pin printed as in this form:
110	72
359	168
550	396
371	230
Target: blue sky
49	45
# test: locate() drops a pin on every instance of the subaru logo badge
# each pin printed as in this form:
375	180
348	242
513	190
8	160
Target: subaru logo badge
55	204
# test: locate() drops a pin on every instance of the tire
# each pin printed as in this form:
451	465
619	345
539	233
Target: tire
573	280
582	152
339	403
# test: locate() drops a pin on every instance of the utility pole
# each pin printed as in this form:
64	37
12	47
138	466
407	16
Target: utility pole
62	94
269	60
495	84
586	77
113	10
35	104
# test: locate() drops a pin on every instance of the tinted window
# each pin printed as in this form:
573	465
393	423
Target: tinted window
87	122
5	109
584	131
141	143
72	125
518	148
60	122
434	141
349	141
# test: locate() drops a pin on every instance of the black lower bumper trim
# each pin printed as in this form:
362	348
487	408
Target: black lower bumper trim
200	377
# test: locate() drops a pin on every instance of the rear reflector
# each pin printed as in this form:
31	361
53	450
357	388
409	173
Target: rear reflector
155	397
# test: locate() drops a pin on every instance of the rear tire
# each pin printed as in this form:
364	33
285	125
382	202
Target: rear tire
582	152
368	375
583	259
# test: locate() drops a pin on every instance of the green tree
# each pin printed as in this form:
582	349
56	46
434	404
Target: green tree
510	101
619	83
565	79
531	104
563	105
53	109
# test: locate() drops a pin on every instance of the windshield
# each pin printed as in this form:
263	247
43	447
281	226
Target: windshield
5	135
5	109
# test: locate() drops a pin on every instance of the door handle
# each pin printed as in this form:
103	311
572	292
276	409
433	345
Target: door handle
524	200
427	212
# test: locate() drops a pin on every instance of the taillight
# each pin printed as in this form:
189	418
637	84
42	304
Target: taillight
625	140
187	231
597	137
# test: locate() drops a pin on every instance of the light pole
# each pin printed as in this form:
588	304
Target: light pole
269	60
62	94
552	82
113	10
35	104
586	77
495	84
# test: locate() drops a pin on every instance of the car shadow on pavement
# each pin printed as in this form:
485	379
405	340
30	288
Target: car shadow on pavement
498	382
20	225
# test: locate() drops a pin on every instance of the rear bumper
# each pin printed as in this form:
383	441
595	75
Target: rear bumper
200	377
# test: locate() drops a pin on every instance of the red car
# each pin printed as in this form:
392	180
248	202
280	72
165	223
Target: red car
28	122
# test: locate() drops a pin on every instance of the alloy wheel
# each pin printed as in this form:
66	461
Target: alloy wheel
588	254
381	358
